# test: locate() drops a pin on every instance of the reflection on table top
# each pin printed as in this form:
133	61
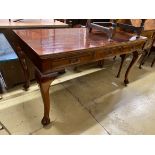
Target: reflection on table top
54	41
30	23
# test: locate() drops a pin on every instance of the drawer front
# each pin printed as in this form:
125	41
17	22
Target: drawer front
130	49
87	56
102	53
68	61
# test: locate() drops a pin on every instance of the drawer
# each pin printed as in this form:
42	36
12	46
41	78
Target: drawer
129	48
100	54
68	61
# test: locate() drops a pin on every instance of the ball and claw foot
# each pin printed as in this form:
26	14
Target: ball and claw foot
62	71
45	121
140	66
100	63
117	76
126	82
26	87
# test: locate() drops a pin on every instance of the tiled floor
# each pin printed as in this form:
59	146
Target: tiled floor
96	103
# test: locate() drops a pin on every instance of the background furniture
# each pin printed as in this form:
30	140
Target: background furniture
2	84
10	65
145	32
153	49
148	27
150	34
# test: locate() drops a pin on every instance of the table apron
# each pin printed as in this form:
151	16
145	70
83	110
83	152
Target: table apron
91	55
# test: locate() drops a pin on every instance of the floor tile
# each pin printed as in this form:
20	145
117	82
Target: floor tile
130	110
24	116
70	117
86	91
97	103
67	115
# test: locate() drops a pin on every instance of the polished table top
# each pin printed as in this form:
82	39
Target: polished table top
46	42
30	23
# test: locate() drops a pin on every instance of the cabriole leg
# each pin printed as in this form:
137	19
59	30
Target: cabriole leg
135	58
44	83
122	61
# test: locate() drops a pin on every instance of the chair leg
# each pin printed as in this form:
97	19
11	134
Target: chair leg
2	85
153	62
149	53
122	61
135	58
143	59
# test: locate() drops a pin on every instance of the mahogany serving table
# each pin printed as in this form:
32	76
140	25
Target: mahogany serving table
7	26
51	50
